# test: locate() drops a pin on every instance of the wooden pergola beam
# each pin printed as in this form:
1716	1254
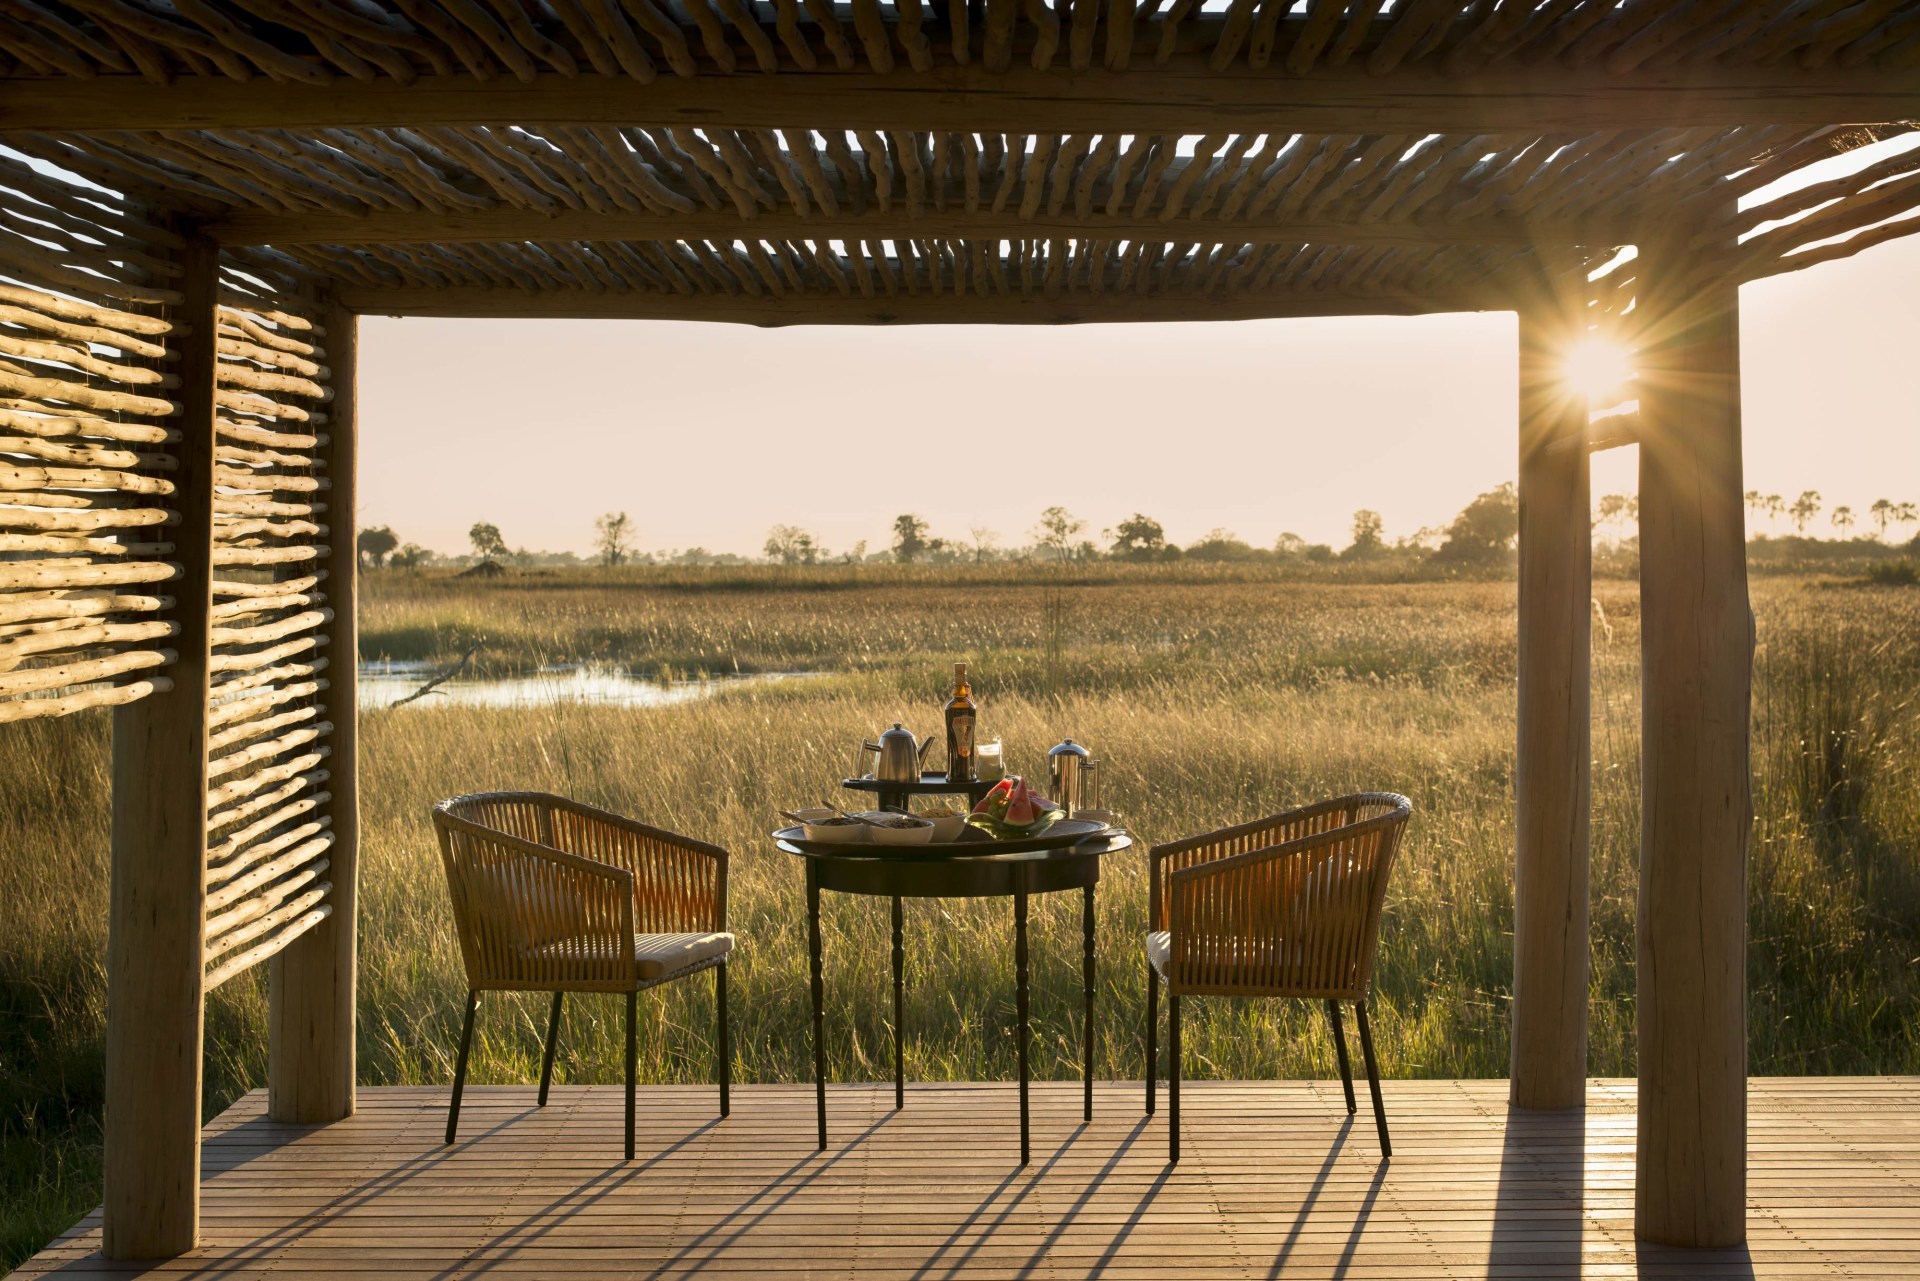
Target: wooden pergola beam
924	308
156	997
1696	809
1552	761
1184	95
384	227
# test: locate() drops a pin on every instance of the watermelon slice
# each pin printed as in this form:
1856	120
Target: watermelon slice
994	803
1020	806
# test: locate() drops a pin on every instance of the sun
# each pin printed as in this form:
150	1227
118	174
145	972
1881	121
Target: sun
1597	368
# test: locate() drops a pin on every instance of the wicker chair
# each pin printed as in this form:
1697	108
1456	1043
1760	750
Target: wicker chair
550	895
1285	906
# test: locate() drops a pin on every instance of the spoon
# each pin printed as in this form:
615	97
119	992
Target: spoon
855	817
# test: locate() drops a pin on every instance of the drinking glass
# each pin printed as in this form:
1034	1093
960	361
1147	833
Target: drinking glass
989	763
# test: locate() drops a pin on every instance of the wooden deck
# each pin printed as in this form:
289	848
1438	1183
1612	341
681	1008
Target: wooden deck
1276	1180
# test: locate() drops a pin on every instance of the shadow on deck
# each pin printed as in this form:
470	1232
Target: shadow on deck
1276	1179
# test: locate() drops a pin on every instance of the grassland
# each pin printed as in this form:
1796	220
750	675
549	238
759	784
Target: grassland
1213	694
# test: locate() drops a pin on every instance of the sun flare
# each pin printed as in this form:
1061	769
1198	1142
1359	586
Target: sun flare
1597	368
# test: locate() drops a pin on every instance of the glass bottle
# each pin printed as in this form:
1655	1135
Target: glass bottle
961	714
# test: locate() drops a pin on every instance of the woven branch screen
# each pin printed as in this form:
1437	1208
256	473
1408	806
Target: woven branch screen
87	336
268	830
84	457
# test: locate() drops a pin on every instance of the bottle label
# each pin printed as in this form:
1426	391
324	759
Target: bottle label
960	736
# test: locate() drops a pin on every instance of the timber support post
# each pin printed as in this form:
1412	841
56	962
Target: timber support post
1696	655
311	1024
157	909
1551	771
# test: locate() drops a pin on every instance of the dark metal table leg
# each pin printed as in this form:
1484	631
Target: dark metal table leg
1020	1007
899	1009
1086	981
819	1001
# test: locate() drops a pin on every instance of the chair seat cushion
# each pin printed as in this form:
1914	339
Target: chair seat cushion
656	956
1158	944
660	955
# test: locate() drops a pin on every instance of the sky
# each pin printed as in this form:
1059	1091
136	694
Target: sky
708	435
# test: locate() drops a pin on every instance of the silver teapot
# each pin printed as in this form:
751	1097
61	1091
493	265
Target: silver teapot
897	756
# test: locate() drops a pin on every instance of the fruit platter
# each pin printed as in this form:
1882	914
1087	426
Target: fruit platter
1012	811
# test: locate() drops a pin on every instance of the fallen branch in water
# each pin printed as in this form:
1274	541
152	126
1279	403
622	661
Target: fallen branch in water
441	679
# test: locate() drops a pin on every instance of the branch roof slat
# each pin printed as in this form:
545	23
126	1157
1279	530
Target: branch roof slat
1343	153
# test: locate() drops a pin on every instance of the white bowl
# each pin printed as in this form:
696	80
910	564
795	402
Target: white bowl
919	835
948	827
1098	816
837	833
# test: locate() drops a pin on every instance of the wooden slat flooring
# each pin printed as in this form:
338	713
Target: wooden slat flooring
1276	1180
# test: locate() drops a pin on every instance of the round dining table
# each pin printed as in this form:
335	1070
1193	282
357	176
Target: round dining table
981	869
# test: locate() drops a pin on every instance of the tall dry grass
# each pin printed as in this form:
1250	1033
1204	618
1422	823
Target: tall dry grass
1211	700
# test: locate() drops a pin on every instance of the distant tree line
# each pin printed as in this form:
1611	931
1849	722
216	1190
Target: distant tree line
1885	513
1482	534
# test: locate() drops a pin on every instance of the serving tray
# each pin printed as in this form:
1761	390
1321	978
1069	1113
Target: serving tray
1059	835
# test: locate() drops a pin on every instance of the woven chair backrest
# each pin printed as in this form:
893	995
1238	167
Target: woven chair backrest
1303	922
524	919
675	886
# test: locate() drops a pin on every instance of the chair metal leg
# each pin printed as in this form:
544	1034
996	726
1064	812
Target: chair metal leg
460	1064
723	1043
1153	1032
633	1062
1373	1075
553	1040
1173	1078
1340	1052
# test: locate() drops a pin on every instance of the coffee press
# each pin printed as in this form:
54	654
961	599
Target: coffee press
1067	769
